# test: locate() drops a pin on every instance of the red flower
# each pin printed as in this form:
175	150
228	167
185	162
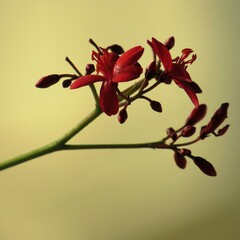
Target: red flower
114	69
176	68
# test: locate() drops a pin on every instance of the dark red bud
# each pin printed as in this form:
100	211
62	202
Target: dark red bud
223	130
151	71
122	116
188	131
169	43
195	87
217	119
185	151
48	81
156	106
205	166
203	132
90	68
116	48
66	83
197	114
180	160
171	133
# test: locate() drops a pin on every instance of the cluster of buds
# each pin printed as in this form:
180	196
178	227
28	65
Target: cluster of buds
189	129
113	66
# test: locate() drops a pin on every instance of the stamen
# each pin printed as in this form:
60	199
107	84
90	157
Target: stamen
95	45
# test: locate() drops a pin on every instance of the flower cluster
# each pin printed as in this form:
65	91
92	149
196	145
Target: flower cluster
113	65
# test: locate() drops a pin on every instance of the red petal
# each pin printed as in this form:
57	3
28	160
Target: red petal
162	52
180	73
86	80
129	58
128	73
108	98
190	92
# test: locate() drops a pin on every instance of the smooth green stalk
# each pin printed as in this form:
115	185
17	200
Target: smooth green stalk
158	144
53	146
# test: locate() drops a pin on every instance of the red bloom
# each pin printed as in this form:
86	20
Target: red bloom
176	68
114	69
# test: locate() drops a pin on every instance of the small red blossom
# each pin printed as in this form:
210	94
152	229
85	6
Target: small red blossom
114	69
176	68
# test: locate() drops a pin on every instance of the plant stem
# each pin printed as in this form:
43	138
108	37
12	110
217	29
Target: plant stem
53	146
92	87
114	146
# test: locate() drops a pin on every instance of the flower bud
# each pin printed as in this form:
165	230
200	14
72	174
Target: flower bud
122	116
90	68
194	86
171	133
180	160
156	106
169	43
116	48
188	131
48	81
197	115
218	117
185	151
223	130
151	71
205	166
66	83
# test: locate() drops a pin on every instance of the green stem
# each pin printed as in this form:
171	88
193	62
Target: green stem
53	146
158	144
92	87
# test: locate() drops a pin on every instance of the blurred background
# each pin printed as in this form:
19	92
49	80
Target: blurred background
115	194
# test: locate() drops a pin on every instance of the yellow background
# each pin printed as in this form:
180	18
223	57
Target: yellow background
115	194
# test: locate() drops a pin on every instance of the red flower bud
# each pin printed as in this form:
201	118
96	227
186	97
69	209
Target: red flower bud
156	106
205	166
217	119
188	131
169	43
122	116
180	160
48	81
197	114
90	68
185	151
66	83
151	71
116	48
223	130
171	133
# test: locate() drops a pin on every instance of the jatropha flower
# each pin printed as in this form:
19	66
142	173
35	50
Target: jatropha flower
114	69
175	69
